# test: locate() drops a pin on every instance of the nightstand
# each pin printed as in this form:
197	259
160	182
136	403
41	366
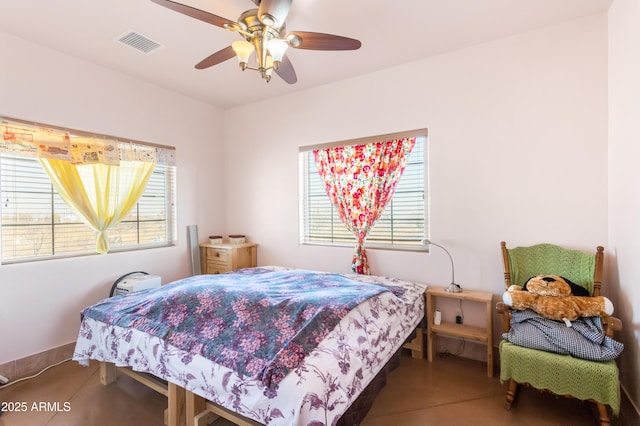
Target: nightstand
478	334
219	258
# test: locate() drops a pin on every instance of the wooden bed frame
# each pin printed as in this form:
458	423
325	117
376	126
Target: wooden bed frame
186	408
201	412
176	412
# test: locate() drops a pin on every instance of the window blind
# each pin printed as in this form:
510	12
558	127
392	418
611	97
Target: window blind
38	224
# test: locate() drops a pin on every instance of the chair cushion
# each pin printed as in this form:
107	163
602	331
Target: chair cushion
557	373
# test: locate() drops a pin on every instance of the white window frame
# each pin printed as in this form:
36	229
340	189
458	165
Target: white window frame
310	193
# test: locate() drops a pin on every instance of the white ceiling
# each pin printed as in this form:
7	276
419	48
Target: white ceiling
392	32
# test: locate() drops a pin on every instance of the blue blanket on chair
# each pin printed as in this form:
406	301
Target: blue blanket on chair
584	339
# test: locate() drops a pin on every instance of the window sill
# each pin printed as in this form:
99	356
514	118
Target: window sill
388	247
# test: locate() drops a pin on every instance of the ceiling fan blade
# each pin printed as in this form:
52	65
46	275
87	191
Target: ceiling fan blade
320	41
286	71
216	58
274	12
207	17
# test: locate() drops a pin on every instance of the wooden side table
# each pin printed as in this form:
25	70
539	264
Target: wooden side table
220	258
478	334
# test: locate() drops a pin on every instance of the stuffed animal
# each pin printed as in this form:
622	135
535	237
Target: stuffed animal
551	296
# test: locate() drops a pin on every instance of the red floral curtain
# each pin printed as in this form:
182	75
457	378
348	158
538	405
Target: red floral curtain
360	180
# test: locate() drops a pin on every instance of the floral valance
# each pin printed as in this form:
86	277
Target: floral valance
41	141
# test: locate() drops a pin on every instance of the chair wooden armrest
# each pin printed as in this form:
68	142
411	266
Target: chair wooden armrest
505	315
611	325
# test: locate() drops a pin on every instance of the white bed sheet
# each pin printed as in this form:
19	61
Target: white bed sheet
318	392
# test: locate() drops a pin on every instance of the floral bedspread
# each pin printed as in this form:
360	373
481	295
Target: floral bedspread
315	392
258	322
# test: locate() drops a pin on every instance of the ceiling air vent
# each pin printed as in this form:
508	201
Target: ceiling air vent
139	42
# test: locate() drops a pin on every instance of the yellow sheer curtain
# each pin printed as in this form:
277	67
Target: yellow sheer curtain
101	194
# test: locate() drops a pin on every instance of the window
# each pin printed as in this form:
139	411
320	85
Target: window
403	223
37	224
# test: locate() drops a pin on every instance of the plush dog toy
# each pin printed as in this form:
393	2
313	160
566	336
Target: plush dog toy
551	296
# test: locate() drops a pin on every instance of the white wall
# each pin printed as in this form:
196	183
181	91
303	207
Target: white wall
517	152
624	191
40	302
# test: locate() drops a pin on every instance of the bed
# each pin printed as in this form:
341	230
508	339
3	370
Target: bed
312	378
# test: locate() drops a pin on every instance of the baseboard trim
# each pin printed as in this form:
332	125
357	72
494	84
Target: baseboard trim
32	364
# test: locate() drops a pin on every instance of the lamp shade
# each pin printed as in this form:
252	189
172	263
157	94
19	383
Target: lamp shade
277	47
243	50
268	68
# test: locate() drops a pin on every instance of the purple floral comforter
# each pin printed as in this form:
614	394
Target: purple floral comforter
260	323
317	392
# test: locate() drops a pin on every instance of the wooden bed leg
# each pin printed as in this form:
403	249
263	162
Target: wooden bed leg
205	418
603	414
108	373
511	394
416	345
176	409
197	413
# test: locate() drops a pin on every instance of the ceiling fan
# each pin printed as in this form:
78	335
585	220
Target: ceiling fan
263	32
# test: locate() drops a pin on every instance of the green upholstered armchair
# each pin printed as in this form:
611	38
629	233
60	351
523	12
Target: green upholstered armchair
561	374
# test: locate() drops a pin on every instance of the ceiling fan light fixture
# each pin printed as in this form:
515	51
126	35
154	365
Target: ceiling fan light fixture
243	49
269	67
277	47
264	33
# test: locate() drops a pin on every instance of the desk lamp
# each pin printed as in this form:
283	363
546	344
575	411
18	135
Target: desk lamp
453	287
